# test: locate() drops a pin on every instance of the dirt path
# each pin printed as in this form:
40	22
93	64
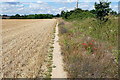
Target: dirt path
58	71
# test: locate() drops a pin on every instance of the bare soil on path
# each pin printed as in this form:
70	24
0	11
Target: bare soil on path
58	71
25	45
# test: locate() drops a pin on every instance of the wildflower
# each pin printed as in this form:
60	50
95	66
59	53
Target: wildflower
84	44
91	43
95	48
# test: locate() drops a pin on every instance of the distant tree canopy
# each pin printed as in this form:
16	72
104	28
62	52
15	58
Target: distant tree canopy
58	15
34	16
102	9
77	13
113	13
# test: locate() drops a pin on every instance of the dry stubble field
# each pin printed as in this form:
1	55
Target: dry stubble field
25	45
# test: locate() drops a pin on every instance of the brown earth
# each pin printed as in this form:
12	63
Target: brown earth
58	71
25	45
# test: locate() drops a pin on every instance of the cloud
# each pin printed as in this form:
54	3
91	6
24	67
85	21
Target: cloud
86	5
27	8
39	1
11	8
76	0
114	7
41	7
71	0
7	0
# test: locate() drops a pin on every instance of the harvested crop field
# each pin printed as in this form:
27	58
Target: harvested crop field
25	45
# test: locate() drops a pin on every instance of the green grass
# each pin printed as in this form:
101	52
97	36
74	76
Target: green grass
87	62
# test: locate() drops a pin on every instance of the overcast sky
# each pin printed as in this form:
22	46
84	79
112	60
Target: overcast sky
12	7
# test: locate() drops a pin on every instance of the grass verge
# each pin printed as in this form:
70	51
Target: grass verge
89	48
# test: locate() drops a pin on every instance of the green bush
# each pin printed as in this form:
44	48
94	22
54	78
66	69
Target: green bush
76	14
33	16
82	15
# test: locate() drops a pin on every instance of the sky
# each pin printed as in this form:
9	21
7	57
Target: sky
12	7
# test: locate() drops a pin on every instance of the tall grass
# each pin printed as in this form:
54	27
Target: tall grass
82	60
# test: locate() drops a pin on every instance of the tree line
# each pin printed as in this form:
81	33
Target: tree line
33	16
102	9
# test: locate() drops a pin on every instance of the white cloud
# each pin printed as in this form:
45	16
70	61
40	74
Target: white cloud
31	8
40	2
7	0
85	5
41	7
114	7
76	0
71	0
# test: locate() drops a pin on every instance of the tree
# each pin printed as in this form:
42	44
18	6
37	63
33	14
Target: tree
102	9
63	14
17	15
113	13
93	11
78	10
58	15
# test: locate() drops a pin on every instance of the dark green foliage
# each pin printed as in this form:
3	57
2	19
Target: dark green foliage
4	15
58	15
81	15
93	11
102	10
76	14
17	15
34	16
63	14
113	13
